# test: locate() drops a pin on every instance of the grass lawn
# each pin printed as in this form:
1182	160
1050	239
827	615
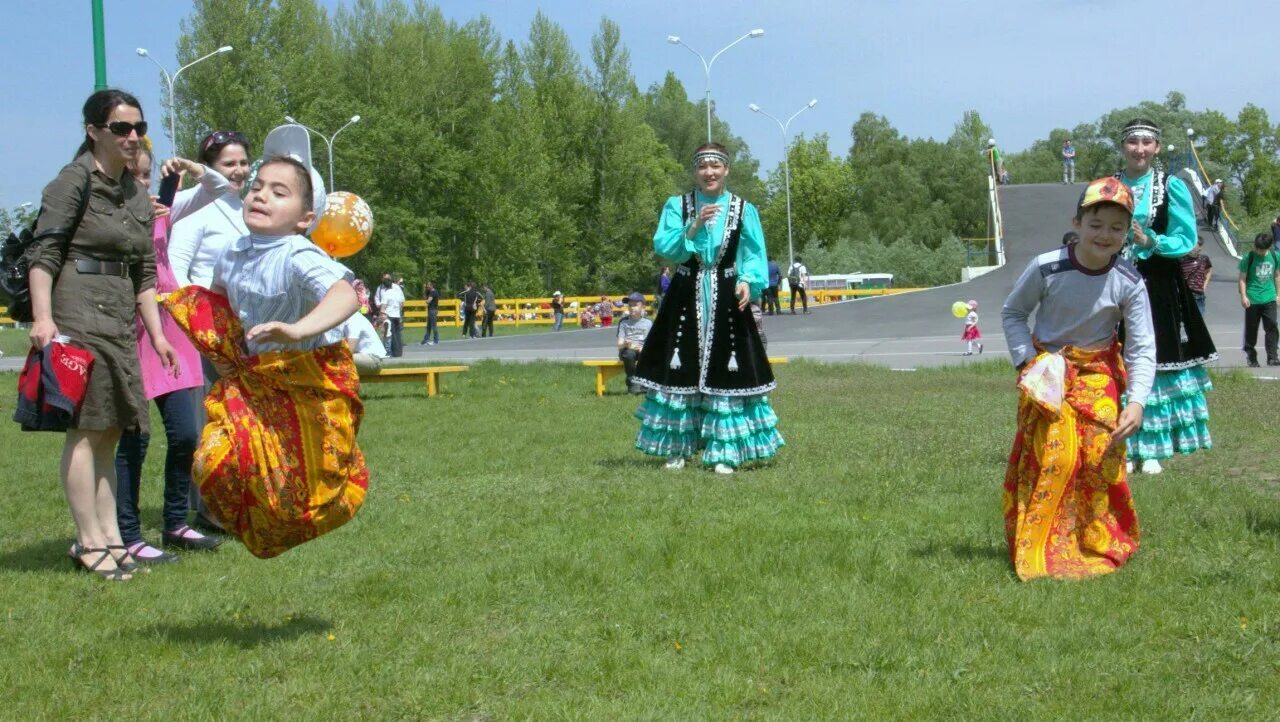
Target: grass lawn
14	341
517	560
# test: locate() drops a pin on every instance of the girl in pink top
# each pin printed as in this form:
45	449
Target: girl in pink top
175	394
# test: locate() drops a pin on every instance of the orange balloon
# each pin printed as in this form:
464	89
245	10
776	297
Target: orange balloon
346	225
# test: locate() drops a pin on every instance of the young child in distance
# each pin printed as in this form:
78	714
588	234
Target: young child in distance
1068	511
971	336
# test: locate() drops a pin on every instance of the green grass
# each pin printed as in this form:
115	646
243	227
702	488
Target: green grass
14	341
516	559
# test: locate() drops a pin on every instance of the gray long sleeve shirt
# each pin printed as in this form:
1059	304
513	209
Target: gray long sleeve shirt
1075	306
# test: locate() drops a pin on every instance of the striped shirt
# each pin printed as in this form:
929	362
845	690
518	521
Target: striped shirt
278	278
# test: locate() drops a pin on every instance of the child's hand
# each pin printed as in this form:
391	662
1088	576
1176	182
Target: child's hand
274	332
1129	421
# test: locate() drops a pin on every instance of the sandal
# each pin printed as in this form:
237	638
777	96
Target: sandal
114	575
178	538
126	560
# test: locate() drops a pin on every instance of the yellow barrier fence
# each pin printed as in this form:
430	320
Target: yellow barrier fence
537	311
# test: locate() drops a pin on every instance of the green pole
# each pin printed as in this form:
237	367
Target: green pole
99	48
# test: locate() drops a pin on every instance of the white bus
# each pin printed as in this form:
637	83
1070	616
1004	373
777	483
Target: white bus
850	281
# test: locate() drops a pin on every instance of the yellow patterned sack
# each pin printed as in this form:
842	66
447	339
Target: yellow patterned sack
278	463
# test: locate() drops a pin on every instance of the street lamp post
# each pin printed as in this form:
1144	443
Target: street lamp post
706	65
786	167
170	80
328	141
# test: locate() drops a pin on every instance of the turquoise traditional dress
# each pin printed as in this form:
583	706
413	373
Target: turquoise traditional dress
703	362
1176	417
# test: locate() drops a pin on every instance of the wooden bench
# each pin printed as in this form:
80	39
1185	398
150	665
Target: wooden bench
608	368
395	374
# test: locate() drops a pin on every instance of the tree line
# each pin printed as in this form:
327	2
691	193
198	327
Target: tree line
520	163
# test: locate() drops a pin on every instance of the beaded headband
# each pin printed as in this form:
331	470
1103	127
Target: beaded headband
709	155
1140	131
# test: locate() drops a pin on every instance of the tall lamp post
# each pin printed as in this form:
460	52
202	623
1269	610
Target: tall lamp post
786	166
706	65
328	141
170	80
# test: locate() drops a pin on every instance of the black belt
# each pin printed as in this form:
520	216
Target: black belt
105	268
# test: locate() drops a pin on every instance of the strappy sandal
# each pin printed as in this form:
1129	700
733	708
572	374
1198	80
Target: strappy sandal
126	561
113	575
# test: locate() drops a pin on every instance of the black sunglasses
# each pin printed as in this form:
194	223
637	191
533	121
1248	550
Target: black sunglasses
123	129
223	137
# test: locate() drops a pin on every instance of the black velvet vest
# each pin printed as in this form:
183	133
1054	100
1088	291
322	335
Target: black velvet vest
729	359
1182	338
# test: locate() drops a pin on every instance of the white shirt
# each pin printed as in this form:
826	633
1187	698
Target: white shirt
199	240
802	272
358	329
389	300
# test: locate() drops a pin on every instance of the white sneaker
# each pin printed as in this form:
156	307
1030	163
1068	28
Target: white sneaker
724	469
675	462
1151	466
979	348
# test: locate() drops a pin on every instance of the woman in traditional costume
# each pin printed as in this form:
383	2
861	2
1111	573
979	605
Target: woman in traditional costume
1164	230
703	364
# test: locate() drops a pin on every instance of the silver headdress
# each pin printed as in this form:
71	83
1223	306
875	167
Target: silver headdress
710	154
1139	130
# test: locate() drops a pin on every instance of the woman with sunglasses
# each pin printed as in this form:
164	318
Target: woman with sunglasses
89	281
175	395
198	241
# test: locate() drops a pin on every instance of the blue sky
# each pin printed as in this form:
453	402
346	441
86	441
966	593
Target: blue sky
1027	66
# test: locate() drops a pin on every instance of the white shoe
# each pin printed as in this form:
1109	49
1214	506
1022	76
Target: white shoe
1151	466
675	462
979	348
724	469
1128	467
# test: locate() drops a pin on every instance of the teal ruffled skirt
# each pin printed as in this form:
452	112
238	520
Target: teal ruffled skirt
731	430
1176	418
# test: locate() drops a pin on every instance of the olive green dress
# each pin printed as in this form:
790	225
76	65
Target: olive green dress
97	311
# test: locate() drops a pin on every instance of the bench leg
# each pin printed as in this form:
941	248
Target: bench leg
432	385
600	382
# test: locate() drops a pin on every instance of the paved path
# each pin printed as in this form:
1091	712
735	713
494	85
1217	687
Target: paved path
909	330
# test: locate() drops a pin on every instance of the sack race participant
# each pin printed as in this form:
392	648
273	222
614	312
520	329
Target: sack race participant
703	363
278	462
1067	508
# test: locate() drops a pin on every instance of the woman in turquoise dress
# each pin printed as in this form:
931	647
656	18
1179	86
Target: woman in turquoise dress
1176	418
703	363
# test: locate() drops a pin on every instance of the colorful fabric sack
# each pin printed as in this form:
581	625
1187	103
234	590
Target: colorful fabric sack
278	462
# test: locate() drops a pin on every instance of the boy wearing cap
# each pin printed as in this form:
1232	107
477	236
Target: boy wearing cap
632	331
287	292
1068	512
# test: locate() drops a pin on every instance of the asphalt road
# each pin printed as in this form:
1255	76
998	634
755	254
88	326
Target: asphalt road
909	330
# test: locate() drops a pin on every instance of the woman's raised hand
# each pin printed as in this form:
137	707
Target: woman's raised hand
182	165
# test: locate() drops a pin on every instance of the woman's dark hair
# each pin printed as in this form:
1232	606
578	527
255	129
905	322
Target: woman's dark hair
98	108
214	143
711	146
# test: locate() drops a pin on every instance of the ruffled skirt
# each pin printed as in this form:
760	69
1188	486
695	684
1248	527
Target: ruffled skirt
731	430
1176	418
